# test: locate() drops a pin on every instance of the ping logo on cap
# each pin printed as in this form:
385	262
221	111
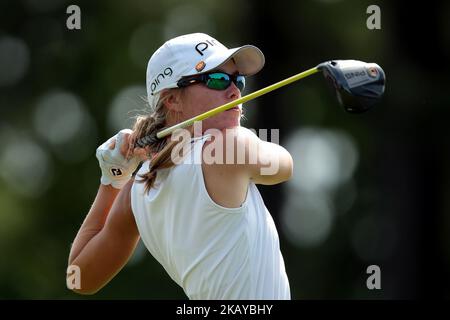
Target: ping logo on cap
202	46
200	66
161	76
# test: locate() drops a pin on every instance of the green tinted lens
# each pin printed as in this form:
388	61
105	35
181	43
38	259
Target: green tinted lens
221	81
218	81
240	82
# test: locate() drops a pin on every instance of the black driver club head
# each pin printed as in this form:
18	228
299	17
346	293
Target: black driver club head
359	85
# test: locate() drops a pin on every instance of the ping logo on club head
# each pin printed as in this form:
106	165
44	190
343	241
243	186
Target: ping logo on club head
354	74
373	72
116	172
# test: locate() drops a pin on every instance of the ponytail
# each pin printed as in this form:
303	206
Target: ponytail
159	150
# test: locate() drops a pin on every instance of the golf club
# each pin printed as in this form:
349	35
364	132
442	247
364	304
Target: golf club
358	85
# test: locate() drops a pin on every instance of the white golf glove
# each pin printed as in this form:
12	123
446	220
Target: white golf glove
116	169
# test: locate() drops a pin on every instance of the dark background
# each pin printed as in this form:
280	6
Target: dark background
367	189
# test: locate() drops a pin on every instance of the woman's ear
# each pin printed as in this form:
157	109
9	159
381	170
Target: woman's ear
172	101
173	104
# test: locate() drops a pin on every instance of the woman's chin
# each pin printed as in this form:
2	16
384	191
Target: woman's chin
222	124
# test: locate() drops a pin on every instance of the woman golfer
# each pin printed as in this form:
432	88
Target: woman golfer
204	222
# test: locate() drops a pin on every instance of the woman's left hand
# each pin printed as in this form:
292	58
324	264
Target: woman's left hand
117	159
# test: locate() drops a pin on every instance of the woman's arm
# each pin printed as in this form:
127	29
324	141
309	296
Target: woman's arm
95	219
266	162
106	239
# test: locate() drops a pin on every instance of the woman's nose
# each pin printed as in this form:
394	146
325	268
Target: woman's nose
233	92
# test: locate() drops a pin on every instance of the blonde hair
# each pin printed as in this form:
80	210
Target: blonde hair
144	135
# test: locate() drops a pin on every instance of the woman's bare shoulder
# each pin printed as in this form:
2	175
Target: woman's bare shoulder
226	181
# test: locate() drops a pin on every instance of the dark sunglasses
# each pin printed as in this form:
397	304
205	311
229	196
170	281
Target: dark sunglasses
214	80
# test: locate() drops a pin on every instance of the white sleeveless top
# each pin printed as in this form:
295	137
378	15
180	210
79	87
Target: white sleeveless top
212	252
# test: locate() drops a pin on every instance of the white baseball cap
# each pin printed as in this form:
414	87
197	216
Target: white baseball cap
192	54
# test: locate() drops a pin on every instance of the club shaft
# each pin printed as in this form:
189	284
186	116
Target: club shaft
236	102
